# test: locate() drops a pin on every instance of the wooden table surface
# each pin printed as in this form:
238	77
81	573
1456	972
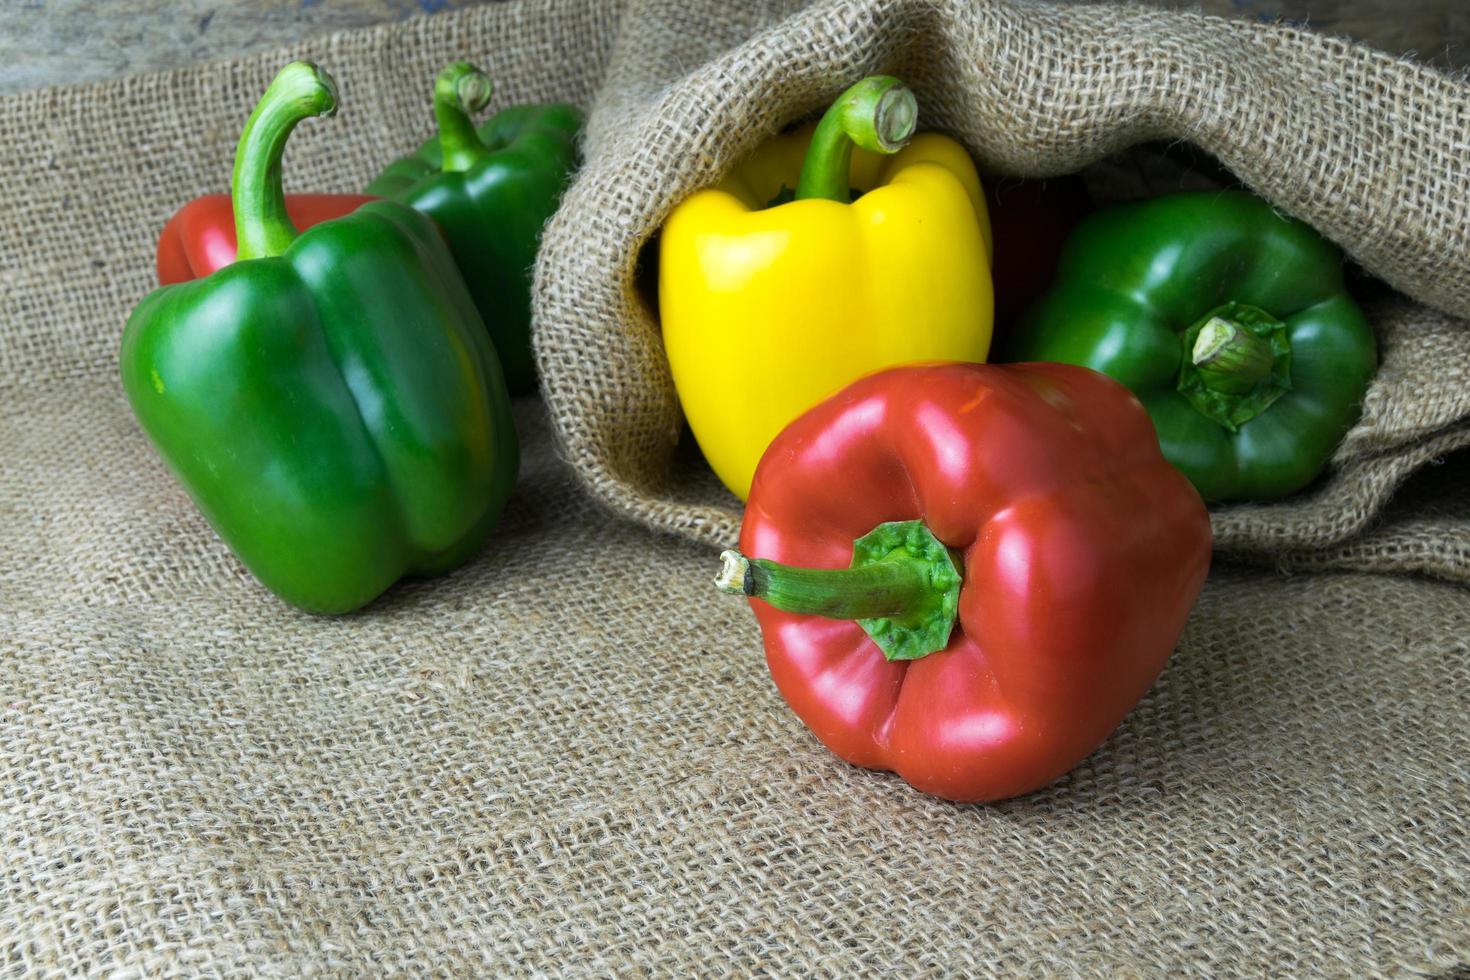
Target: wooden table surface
45	42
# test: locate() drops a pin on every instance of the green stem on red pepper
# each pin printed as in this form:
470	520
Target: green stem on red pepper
884	589
879	114
902	588
262	227
460	89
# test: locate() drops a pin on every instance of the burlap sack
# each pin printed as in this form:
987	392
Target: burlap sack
567	758
1367	148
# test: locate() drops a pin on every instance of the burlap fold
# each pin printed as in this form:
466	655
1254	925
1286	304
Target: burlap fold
566	758
1365	147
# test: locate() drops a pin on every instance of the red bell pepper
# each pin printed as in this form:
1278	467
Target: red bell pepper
1031	221
200	238
1018	556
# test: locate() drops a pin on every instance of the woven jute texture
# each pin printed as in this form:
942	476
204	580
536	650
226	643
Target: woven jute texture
567	757
1368	149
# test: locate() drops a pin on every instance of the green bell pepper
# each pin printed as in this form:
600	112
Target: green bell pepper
1230	322
330	400
491	192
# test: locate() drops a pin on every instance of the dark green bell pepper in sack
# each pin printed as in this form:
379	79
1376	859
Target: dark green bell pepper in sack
491	192
330	400
1230	322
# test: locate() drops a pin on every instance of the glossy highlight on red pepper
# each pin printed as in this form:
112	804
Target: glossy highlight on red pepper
199	240
1082	551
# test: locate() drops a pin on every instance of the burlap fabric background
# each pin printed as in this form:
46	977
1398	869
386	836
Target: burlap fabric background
567	756
1367	148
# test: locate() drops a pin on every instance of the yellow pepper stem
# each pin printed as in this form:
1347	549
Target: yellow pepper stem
879	113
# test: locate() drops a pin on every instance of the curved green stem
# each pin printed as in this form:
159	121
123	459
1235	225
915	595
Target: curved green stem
262	227
883	589
460	89
879	113
902	588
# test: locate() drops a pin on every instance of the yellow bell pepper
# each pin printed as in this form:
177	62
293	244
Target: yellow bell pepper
768	308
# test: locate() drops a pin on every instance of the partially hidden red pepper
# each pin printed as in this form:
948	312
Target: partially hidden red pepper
967	573
199	239
1032	219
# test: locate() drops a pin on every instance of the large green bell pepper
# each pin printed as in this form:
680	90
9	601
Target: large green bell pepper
330	400
1230	322
491	192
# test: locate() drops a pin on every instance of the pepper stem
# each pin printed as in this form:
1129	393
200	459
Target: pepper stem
902	588
460	89
262	227
1236	363
884	589
879	113
1230	358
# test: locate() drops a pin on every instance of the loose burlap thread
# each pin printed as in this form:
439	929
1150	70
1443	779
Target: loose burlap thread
1364	147
566	757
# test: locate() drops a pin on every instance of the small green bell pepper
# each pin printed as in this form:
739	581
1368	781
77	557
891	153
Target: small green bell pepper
330	400
491	192
1230	322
